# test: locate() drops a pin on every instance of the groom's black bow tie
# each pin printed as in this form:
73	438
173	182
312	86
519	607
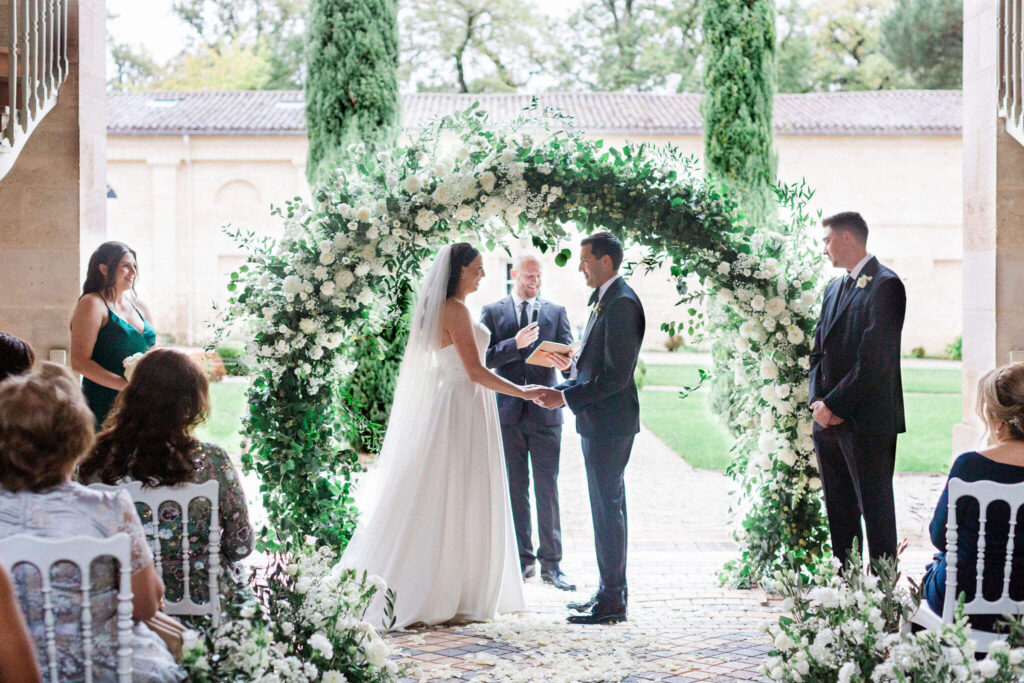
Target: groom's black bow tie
594	297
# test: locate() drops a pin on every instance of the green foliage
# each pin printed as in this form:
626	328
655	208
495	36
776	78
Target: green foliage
616	45
955	349
739	81
352	82
232	353
926	39
234	67
640	374
378	359
473	45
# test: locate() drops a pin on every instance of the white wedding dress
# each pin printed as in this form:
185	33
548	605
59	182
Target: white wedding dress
440	529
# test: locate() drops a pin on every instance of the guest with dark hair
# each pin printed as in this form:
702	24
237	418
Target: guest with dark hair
16	356
45	427
110	323
148	437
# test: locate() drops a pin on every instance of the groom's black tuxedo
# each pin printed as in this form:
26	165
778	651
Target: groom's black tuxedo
603	397
855	370
530	433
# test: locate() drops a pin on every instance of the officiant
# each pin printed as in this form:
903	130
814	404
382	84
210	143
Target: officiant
532	435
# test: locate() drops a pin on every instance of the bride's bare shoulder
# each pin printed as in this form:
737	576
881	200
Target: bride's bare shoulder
455	309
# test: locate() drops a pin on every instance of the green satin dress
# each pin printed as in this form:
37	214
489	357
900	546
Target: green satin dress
116	340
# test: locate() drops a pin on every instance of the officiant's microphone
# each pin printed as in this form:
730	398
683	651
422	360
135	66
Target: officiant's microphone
534	311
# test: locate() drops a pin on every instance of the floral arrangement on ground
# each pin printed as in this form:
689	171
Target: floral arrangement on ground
856	628
334	274
302	622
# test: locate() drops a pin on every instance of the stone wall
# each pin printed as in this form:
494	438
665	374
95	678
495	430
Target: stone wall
174	192
54	210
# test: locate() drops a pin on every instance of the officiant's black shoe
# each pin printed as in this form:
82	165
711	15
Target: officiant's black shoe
529	571
598	616
556	578
585	606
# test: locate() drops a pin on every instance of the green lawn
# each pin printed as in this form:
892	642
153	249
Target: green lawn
914	380
689	428
227	406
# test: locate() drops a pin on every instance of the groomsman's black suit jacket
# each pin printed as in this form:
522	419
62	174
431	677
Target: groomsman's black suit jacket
855	364
603	395
502	319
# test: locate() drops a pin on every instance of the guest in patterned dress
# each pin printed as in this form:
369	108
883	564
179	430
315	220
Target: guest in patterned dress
148	438
16	356
110	323
45	427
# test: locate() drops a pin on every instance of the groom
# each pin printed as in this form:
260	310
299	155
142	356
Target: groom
602	394
856	393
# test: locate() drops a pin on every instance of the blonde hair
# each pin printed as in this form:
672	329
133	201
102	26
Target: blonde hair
45	427
1001	399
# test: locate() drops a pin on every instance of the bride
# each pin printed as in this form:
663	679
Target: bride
437	523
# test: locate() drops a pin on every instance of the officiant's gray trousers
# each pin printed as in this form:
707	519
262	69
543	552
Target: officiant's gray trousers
605	458
529	444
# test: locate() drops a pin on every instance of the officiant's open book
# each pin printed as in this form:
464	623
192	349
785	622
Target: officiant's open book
540	354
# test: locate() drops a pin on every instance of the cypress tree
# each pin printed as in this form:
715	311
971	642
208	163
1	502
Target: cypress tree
739	87
351	80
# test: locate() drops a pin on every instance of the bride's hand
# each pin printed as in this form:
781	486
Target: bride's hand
531	391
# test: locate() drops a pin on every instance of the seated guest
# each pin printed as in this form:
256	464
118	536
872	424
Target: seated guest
148	438
16	356
1001	409
17	657
45	428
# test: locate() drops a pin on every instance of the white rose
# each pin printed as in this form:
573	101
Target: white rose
334	677
742	344
724	296
307	325
749	330
343	278
988	668
782	391
292	285
788	457
320	273
769	370
189	639
487	180
814	483
362	269
794	334
767	443
287	628
327	258
325	245
464	213
508	155
377	652
757	303
775	306
724	268
442	194
363	214
512	213
804	362
441	168
767	421
319	642
412	184
492	207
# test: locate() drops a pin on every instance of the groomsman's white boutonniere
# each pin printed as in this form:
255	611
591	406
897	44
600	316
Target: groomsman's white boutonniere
595	308
863	281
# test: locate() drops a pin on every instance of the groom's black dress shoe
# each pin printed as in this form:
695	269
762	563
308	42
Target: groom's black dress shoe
599	615
529	571
557	579
585	606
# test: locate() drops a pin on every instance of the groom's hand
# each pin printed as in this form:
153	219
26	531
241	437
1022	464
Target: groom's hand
550	399
824	416
527	335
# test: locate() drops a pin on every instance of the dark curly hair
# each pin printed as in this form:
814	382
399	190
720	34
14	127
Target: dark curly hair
45	427
462	255
16	356
148	434
108	254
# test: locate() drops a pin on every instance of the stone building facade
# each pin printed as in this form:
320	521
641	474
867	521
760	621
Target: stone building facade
184	164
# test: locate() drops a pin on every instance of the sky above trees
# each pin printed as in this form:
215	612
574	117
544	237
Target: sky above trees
538	45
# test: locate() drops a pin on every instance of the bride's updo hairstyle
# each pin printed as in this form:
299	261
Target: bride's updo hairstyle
462	255
1001	399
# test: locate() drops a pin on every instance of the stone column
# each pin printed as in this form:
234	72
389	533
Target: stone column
993	220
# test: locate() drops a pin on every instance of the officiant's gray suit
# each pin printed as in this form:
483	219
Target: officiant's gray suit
530	434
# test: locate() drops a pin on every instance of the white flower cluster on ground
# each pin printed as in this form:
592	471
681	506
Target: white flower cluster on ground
304	623
855	628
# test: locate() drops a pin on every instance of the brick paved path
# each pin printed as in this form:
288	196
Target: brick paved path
683	626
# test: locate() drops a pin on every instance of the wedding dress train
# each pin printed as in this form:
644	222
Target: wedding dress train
440	532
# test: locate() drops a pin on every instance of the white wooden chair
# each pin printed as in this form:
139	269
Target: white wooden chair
182	495
985	492
43	553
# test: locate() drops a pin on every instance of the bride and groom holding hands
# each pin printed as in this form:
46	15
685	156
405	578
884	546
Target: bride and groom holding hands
446	509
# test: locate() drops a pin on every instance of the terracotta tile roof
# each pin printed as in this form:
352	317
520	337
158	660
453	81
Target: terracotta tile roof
266	112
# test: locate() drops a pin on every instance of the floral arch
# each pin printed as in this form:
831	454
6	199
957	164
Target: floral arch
344	258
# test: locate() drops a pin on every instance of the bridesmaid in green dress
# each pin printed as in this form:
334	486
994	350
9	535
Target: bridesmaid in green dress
110	323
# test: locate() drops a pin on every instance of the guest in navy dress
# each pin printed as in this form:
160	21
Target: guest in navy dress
1001	409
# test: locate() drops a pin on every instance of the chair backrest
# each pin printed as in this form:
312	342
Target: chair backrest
182	495
985	492
43	553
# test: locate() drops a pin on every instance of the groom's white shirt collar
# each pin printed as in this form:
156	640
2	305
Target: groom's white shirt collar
518	301
855	273
604	288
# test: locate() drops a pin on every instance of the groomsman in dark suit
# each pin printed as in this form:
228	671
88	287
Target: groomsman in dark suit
856	393
531	434
602	395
